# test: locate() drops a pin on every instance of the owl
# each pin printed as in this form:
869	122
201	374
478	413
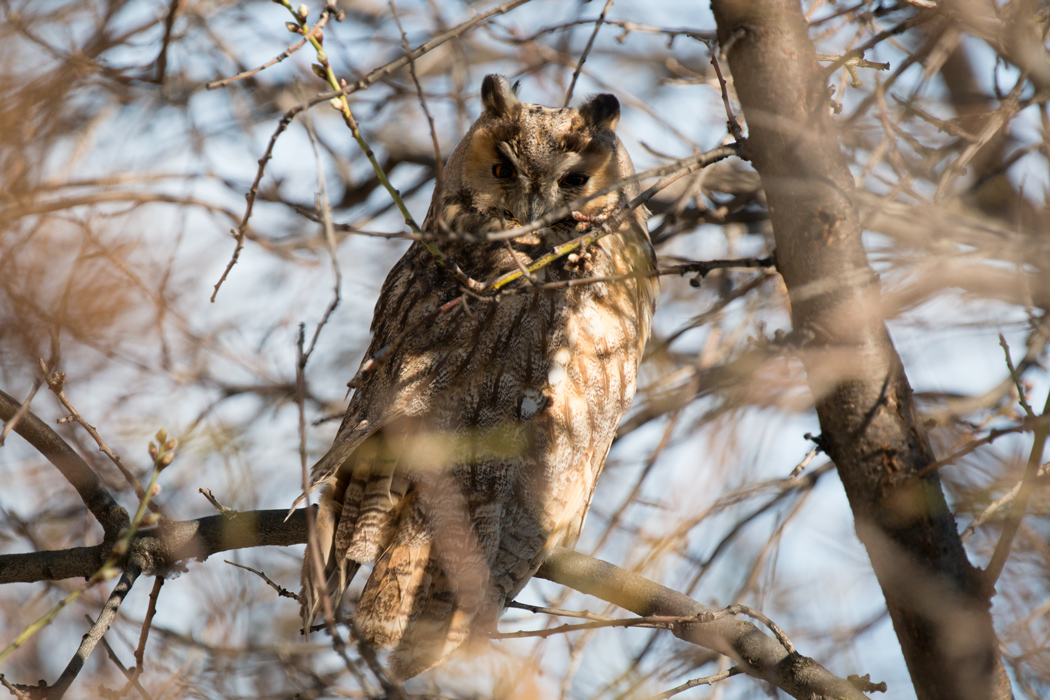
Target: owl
472	446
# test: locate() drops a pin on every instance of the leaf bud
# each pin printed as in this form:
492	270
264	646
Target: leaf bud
293	27
166	459
336	103
318	71
119	549
162	436
303	11
153	451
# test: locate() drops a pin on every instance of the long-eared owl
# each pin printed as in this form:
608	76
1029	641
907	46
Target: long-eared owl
472	445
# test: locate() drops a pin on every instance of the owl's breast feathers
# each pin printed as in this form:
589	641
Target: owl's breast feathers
474	447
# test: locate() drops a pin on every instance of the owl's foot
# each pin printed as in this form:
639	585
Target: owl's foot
579	261
588	221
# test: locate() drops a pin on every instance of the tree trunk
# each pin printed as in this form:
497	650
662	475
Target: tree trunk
870	426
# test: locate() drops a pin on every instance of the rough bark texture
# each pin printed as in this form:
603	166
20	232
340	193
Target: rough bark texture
870	425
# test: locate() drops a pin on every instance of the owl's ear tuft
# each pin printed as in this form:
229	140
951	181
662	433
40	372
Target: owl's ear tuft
498	98
601	112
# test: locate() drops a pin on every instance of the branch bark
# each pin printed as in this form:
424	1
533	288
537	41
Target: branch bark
870	425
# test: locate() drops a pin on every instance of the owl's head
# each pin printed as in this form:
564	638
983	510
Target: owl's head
520	161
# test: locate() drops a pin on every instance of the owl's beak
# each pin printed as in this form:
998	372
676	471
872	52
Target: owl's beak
534	207
539	200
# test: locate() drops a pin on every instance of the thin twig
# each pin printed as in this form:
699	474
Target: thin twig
215	502
1024	426
706	680
586	50
56	382
12	689
1020	505
325	207
249	73
130	675
253	191
151	611
438	164
23	409
169	24
581	614
1021	398
657	621
281	590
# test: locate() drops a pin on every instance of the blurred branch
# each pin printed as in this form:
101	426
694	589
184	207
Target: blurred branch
95	634
1024	493
110	515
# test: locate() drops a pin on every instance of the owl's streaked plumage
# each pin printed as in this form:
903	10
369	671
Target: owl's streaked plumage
475	445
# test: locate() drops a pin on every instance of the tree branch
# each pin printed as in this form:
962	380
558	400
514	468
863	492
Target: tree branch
77	472
165	548
757	654
95	634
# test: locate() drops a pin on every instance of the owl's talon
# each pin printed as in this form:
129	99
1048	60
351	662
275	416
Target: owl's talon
579	262
588	221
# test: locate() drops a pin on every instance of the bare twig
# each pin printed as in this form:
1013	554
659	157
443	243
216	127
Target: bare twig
151	611
130	675
706	680
56	382
586	51
281	590
214	501
1020	501
253	191
10	423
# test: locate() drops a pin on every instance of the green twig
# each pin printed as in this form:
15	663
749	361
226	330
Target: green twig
323	70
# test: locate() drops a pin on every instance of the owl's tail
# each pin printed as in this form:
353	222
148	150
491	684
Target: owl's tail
411	606
426	591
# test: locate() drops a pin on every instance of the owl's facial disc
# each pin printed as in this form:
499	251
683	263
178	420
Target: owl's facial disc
530	190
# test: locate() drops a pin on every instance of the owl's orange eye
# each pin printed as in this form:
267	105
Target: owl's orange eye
502	171
575	180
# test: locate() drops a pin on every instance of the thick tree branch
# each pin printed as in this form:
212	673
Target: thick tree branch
757	653
77	472
165	548
870	425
